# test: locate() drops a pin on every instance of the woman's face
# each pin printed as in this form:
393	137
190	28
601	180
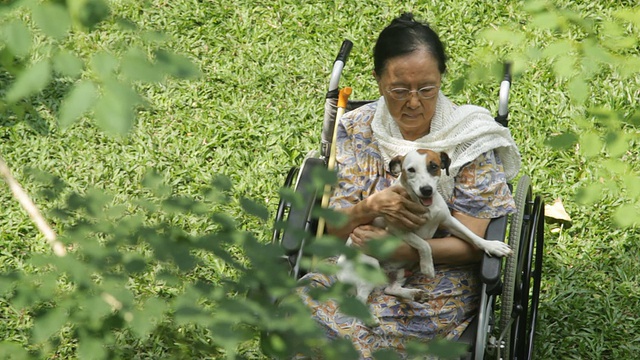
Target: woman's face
412	71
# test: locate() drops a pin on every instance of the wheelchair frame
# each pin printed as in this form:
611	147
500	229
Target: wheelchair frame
508	334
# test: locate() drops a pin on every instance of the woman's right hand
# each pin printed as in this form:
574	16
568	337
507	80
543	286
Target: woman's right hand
397	209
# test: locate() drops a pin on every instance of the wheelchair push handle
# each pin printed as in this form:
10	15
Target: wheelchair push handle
345	50
338	65
503	104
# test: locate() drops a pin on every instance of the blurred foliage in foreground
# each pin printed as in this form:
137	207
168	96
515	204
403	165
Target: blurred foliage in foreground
605	50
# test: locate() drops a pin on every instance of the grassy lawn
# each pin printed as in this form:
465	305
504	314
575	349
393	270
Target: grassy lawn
257	110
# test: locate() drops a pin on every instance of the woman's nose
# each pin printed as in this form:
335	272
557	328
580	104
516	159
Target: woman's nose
414	101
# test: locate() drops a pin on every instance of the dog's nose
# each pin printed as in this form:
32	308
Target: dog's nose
426	191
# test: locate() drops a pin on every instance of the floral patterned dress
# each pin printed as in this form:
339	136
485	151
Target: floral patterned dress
480	190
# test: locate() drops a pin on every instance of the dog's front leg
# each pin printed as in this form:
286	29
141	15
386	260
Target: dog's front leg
424	252
490	247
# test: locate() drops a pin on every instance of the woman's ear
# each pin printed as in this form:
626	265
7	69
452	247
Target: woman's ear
395	165
375	75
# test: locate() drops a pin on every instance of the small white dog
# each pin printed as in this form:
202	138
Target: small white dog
418	172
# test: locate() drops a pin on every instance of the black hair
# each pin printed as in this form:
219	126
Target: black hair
403	36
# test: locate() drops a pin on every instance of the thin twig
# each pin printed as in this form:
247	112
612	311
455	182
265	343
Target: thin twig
31	209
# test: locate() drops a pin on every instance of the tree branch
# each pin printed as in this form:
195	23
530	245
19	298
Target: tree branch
31	209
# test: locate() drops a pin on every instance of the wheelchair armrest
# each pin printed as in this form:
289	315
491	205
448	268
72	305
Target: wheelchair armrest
490	270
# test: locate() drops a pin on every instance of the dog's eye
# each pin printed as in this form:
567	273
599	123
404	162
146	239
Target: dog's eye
411	170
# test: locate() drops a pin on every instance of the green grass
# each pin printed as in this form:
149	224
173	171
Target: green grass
257	110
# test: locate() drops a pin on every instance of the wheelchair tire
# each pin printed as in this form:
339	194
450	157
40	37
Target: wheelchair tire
283	205
299	221
522	275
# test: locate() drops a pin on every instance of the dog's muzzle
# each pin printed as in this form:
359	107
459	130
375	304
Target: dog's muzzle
426	195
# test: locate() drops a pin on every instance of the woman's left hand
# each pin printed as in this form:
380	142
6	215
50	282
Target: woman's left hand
363	233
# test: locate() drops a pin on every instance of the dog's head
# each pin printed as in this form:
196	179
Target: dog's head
420	170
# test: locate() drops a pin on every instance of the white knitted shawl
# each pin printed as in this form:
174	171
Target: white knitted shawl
463	132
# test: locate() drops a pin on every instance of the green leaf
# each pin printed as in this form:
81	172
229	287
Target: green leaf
535	6
617	144
501	37
590	144
632	185
628	66
126	24
137	67
90	347
154	37
88	13
254	208
53	19
331	216
547	20
30	81
593	50
589	195
351	306
134	263
563	141
114	111
67	64
326	247
446	349
384	247
154	181
557	48
48	324
13	351
176	65
616	168
564	66
104	64
579	90
77	102
17	37
222	182
228	334
148	317
386	354
371	274
631	15
627	215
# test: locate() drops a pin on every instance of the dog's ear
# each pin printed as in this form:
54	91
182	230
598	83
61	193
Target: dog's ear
445	162
395	165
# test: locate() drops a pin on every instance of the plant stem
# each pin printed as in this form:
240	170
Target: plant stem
31	209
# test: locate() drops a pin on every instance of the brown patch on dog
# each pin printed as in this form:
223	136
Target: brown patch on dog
433	161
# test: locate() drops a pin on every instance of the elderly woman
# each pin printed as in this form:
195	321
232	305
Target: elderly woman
409	63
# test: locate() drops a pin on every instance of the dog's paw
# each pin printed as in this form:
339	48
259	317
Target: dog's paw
427	269
421	296
497	248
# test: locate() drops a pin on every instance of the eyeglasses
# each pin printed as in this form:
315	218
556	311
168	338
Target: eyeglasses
425	93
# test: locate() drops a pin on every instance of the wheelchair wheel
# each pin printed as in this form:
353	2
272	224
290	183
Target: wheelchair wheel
296	217
522	275
284	206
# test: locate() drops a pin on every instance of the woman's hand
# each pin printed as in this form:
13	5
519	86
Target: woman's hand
397	209
363	233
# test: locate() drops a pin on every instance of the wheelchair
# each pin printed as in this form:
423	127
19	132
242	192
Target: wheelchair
504	327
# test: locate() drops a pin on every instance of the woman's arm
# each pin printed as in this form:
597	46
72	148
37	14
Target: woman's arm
450	250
